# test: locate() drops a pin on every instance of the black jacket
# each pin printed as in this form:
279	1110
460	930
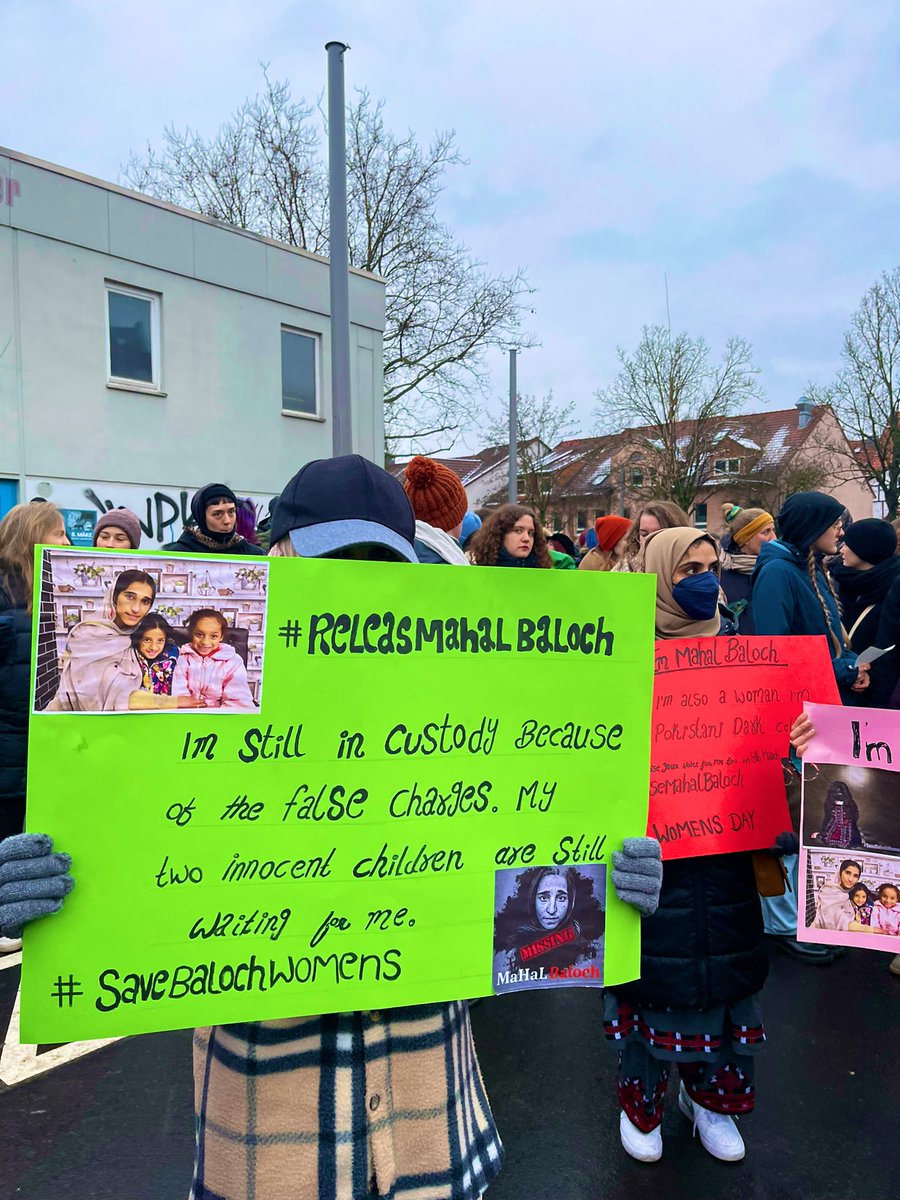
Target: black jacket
879	587
704	944
15	678
188	544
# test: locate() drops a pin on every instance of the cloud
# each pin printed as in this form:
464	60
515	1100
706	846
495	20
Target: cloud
748	151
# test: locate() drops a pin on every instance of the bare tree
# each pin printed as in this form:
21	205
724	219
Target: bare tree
264	170
541	424
674	399
866	393
769	485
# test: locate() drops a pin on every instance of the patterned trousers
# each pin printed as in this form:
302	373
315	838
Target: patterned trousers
723	1085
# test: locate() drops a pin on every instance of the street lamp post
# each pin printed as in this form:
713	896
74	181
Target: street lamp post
339	266
512	487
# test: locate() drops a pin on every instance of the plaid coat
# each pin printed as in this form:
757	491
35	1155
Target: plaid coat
349	1106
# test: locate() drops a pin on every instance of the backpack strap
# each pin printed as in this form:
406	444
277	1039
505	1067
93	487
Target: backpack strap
859	620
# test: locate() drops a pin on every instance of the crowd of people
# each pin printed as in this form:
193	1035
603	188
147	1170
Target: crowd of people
360	1105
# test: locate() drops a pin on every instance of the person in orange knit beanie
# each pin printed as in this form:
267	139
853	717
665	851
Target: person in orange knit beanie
439	502
612	533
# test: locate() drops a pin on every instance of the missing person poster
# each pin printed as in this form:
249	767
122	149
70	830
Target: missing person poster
722	713
294	786
850	829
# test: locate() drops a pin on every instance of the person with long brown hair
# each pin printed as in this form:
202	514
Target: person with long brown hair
23	528
654	515
511	537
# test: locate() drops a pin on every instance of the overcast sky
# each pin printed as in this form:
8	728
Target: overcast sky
749	151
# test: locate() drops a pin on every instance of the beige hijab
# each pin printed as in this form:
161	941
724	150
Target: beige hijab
660	555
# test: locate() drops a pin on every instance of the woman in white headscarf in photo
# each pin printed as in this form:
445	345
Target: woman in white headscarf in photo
99	643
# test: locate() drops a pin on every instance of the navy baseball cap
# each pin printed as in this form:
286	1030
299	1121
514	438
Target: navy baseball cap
333	503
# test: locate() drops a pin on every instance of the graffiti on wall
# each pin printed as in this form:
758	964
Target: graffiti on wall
162	511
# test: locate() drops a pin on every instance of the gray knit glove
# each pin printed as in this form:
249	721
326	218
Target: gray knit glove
33	881
637	873
786	843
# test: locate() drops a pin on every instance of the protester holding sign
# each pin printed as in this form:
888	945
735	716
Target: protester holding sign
793	593
388	1103
703	960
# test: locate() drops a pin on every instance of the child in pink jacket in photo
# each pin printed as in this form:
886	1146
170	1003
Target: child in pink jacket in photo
210	670
886	911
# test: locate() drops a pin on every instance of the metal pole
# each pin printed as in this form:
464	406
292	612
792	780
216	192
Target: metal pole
339	265
512	488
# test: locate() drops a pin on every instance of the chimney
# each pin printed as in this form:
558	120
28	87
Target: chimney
805	409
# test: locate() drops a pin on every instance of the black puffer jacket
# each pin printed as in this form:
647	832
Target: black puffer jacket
704	944
15	675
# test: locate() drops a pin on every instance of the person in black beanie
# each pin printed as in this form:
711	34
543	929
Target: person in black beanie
793	592
868	581
212	529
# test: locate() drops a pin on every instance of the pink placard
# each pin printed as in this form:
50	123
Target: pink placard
850	829
868	736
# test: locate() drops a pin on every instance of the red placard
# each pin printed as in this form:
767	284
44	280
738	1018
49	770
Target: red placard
722	713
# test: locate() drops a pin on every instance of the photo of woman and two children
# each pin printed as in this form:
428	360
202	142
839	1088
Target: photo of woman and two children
851	833
123	656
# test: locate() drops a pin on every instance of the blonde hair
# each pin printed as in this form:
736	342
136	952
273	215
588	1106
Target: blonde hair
23	528
283	548
738	519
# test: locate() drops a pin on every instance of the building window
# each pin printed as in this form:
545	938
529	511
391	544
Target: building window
132	342
637	477
727	466
582	520
299	372
700	516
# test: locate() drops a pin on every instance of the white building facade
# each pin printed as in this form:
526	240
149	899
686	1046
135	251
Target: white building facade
146	351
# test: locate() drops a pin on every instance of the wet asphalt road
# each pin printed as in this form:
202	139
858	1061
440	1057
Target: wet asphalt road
117	1124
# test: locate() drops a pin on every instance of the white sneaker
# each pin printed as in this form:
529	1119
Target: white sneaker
10	945
718	1133
645	1147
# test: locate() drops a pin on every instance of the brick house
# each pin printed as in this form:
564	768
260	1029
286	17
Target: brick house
756	459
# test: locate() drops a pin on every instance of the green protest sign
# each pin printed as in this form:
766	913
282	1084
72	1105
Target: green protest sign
322	786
